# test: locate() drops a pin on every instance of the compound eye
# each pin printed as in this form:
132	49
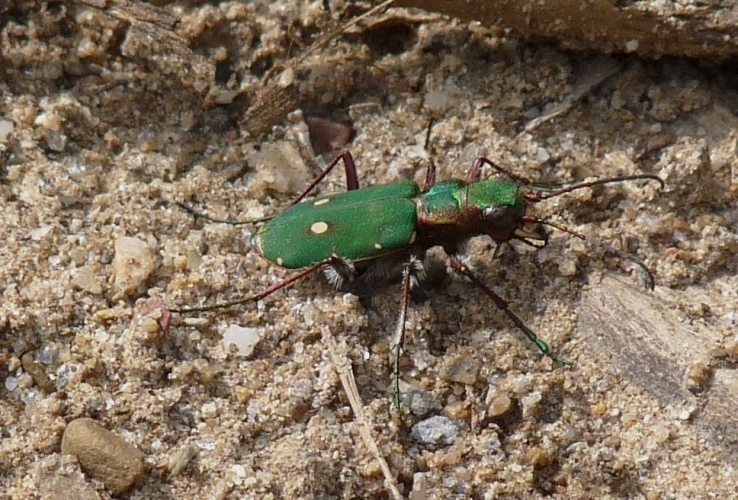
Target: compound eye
495	213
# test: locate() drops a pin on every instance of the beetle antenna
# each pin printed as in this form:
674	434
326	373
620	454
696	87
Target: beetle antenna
650	281
597	243
264	293
428	131
430	173
200	215
541	195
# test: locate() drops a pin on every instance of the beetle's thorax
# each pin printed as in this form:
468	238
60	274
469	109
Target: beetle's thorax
456	210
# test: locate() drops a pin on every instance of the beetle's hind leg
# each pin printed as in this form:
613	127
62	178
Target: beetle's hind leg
340	272
412	269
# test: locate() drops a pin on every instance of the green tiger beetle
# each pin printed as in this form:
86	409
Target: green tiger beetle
380	234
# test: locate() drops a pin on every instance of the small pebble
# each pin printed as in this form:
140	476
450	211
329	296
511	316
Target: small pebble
209	410
438	100
537	457
178	462
245	339
457	410
685	414
280	168
435	431
6	128
86	278
197	322
631	45
421	403
133	264
463	369
421	486
732	346
48	354
531	404
499	406
11	383
698	377
103	454
37	371
158	312
599	409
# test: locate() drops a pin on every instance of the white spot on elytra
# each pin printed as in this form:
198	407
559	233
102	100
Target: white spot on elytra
321	202
319	227
413	237
279	261
377	246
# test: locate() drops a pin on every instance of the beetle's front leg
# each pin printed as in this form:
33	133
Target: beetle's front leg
502	305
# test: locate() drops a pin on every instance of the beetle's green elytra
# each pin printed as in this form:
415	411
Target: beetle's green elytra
356	225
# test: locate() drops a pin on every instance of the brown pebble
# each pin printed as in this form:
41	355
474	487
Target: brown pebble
37	371
103	454
156	308
537	457
457	410
462	368
599	409
698	377
86	278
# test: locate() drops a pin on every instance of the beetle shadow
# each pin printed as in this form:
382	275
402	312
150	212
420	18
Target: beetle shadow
376	277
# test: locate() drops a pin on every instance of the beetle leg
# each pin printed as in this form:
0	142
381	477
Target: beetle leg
339	272
352	179
411	271
352	183
475	172
430	176
264	293
399	336
502	305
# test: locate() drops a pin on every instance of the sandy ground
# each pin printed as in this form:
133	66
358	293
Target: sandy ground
97	140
